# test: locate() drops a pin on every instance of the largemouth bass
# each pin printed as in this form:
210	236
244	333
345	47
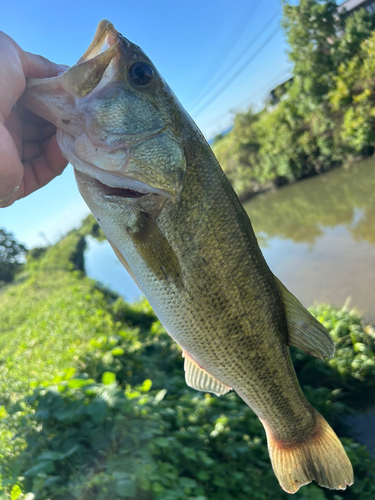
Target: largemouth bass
172	218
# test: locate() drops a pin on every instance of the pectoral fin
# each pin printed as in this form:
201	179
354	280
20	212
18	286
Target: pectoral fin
197	378
304	331
156	251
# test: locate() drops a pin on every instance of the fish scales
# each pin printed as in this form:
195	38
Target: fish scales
243	316
172	218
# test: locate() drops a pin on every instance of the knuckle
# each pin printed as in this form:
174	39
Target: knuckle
48	65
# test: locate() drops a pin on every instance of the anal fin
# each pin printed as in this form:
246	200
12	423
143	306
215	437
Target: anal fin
197	378
305	331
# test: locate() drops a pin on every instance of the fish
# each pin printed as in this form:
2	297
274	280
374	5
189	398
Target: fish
172	218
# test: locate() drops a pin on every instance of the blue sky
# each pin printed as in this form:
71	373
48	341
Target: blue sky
195	44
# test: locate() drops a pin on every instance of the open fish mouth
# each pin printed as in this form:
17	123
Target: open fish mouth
108	183
134	189
111	185
118	192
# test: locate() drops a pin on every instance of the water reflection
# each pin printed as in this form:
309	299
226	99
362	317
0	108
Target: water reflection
102	265
301	212
318	236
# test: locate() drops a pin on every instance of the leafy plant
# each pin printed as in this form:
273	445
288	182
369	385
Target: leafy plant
12	256
94	403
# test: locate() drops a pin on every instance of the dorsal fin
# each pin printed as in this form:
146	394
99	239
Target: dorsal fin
197	378
304	331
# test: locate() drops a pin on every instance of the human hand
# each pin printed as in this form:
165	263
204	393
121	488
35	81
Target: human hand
29	154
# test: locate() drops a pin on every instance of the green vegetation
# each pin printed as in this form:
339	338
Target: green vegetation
94	406
11	256
327	114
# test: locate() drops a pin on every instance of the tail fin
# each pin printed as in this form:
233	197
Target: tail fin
322	458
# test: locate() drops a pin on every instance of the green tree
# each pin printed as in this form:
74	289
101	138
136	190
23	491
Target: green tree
354	99
311	32
354	30
327	116
12	255
237	153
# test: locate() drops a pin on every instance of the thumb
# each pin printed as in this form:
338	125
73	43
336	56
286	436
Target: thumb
11	168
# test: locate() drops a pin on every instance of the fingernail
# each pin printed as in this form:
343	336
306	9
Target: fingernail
11	194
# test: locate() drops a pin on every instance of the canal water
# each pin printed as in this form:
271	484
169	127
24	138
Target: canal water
317	235
102	265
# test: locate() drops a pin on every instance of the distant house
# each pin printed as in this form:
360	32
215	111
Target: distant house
278	93
345	9
350	6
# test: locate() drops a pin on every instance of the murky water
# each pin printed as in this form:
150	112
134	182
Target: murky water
318	237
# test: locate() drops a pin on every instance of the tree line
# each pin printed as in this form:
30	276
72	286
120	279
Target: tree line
325	117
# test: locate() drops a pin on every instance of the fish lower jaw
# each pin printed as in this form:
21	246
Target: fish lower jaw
113	182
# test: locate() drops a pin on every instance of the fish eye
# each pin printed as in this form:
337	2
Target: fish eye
141	73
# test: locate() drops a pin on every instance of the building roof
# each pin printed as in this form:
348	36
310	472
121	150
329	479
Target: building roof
350	4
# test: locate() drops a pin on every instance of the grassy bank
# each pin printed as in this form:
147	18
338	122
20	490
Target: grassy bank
93	402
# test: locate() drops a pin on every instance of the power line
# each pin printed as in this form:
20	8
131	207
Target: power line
236	60
248	100
238	72
269	86
218	62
